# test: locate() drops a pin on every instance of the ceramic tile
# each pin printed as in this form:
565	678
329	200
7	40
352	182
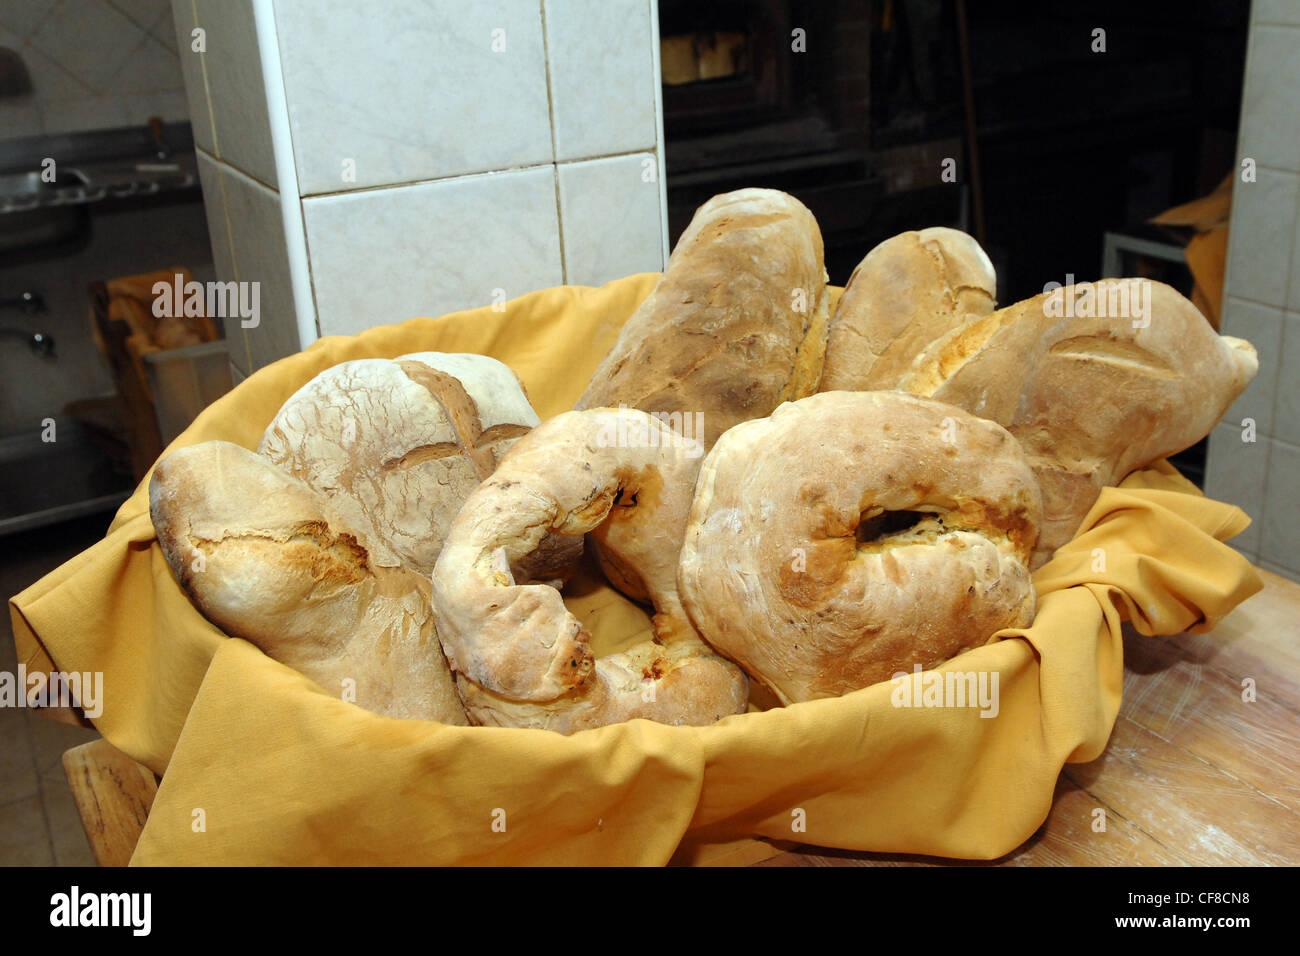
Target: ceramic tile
196	90
419	94
172	107
152	68
261	256
67	834
603	82
1261	326
21	118
223	261
1275	11
62	37
1235	473
236	90
51	738
1286	401
385	255
50	81
144	13
1259	247
1293	297
24	17
1291	574
610	216
24	838
91	112
1280	536
17	769
1270	123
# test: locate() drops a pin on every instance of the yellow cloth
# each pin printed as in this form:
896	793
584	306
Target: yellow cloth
284	772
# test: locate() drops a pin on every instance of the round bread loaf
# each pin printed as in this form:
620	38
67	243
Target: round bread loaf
398	444
521	659
851	535
266	558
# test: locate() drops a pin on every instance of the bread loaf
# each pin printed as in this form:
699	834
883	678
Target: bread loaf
318	548
266	558
906	292
521	659
1094	380
853	535
736	325
397	445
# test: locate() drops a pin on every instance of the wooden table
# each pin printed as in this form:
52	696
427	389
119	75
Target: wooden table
1192	774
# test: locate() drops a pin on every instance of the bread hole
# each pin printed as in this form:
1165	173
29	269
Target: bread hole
889	523
621	502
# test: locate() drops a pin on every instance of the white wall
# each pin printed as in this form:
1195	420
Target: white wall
93	64
1262	298
422	156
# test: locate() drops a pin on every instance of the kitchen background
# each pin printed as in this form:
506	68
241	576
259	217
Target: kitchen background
365	163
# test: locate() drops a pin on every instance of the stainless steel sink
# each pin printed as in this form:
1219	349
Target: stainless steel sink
34	212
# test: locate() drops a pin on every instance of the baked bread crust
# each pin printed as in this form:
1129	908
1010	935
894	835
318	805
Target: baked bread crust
736	325
266	558
792	565
521	659
1089	397
904	294
398	444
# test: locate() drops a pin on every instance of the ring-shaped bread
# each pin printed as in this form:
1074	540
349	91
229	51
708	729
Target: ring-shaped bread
521	659
851	535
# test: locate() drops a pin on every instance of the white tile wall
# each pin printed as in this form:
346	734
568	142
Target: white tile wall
1280	525
1261	326
223	257
257	239
184	22
1277	11
609	213
1263	297
456	190
236	91
1236	470
1286	405
1272	133
93	64
385	255
421	94
603	82
1259	247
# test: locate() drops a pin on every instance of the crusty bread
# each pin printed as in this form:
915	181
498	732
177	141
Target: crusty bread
397	445
266	558
319	547
800	562
906	292
1090	396
736	325
521	659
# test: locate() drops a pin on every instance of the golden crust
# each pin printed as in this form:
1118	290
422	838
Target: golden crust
783	570
736	325
265	558
1089	396
521	658
904	294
